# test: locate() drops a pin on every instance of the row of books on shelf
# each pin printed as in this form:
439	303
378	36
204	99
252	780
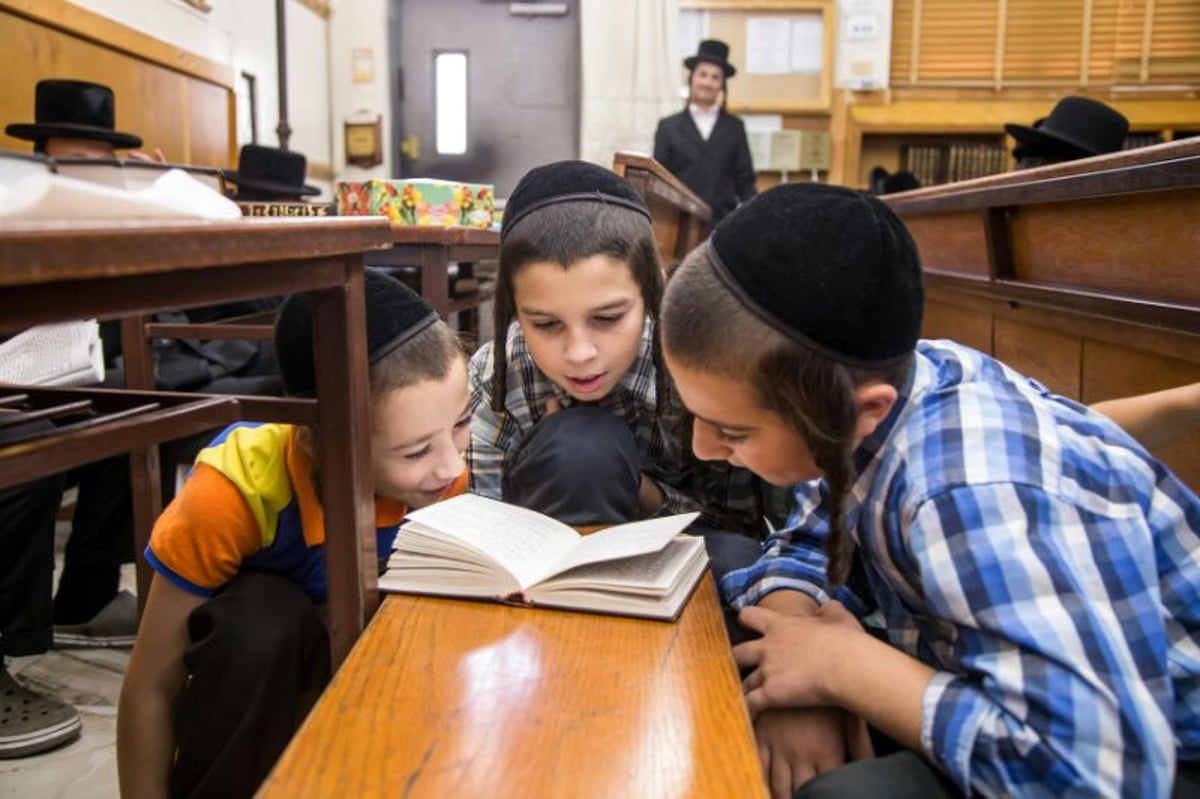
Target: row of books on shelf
948	163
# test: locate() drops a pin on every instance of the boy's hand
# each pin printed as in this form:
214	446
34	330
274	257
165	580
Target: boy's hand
795	660
552	406
797	744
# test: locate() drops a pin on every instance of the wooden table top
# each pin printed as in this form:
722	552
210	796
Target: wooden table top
51	251
444	697
448	236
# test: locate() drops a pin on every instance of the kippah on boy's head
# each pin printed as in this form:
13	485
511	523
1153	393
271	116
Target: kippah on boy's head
827	266
568	181
394	314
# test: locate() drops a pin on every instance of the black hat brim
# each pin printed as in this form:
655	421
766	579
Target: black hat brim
35	131
691	61
268	185
1039	140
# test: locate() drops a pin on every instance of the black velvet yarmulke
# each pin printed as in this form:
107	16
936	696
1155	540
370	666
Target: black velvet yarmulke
395	313
828	266
568	181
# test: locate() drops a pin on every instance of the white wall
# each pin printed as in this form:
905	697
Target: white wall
359	24
241	33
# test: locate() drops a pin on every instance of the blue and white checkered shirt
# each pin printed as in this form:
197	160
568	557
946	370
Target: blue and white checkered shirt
1040	561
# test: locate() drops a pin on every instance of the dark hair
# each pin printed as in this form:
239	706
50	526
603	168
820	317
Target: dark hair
706	327
426	356
565	233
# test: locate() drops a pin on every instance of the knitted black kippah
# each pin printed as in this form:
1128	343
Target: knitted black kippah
394	315
830	267
568	181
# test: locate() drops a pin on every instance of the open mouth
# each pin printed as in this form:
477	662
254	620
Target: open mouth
587	383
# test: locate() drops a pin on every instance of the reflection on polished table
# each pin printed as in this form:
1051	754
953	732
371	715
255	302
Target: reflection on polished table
444	697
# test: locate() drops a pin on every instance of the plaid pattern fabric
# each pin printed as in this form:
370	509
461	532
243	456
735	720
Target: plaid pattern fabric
1040	560
730	498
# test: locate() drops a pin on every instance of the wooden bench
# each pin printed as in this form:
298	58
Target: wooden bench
445	697
681	219
1084	275
55	271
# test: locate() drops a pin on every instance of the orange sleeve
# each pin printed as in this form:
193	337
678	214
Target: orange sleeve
202	537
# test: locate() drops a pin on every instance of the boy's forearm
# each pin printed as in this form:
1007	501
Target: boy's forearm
1156	419
880	684
145	744
794	603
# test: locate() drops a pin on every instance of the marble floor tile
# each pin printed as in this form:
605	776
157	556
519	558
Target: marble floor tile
91	680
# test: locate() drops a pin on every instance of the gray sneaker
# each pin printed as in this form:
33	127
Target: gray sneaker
32	723
114	626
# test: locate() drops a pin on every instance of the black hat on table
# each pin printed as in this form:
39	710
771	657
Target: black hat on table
830	267
73	109
1077	127
568	181
714	51
395	313
270	170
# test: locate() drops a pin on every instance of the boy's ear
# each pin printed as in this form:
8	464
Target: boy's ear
875	401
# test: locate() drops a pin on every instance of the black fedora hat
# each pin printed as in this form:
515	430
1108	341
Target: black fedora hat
1076	128
714	51
73	109
270	170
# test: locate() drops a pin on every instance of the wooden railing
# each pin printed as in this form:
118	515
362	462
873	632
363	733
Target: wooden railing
681	219
1083	275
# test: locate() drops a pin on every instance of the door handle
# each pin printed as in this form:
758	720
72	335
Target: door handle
411	147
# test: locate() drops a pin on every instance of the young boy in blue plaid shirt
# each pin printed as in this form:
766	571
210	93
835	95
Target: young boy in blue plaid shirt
1036	571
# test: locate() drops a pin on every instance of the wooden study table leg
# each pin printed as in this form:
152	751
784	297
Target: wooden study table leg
435	281
343	436
144	467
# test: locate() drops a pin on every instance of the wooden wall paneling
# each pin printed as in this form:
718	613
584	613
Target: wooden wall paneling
951	242
173	99
1113	370
1043	353
1144	245
952	320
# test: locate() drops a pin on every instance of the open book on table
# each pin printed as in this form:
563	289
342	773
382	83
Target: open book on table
480	548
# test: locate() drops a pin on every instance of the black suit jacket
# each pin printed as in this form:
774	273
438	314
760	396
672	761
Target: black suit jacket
719	169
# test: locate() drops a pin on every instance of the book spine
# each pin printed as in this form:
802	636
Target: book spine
286	209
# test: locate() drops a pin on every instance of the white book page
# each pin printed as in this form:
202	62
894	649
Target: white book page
520	541
655	573
61	354
623	541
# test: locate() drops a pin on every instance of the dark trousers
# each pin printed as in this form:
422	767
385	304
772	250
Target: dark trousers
257	659
581	466
907	775
27	514
101	540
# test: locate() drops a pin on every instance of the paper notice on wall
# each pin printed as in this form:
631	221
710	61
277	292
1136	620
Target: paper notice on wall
785	45
807	44
768	45
864	46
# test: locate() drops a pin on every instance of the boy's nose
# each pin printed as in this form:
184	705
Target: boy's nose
450	466
580	349
705	443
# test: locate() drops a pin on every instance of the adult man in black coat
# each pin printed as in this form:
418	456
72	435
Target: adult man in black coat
703	145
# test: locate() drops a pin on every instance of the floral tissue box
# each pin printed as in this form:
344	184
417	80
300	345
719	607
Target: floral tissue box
419	201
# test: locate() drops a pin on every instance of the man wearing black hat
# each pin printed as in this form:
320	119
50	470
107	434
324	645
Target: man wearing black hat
703	145
268	174
1077	127
73	118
